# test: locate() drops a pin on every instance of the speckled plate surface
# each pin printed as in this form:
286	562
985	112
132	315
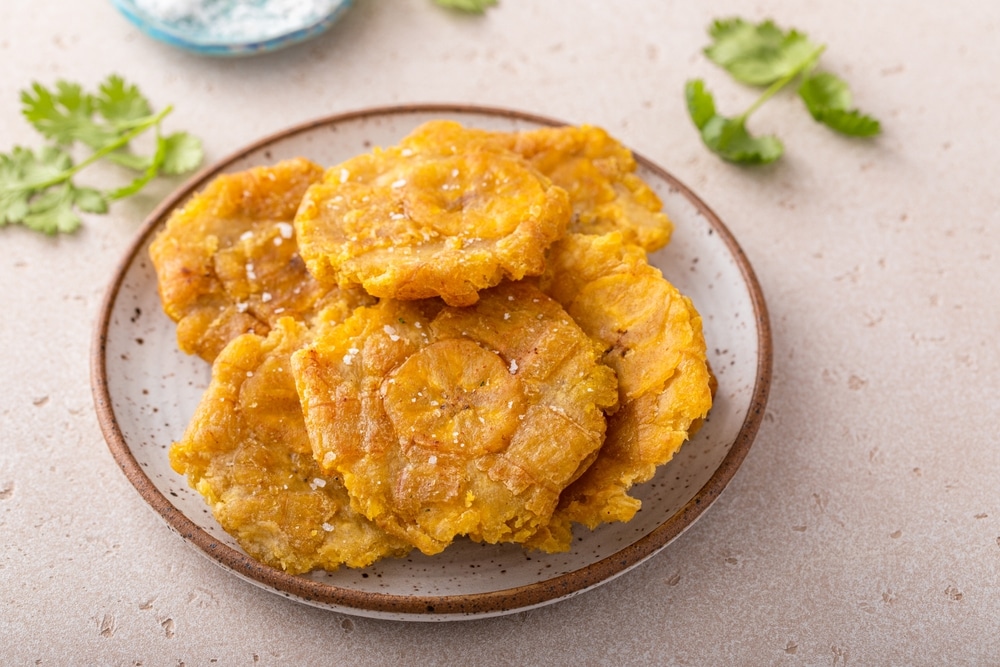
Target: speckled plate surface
146	390
230	28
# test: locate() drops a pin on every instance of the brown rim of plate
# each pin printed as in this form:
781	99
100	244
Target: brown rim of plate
473	604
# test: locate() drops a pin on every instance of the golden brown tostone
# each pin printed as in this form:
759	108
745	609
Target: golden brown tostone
228	262
598	173
596	170
652	337
456	421
246	451
424	219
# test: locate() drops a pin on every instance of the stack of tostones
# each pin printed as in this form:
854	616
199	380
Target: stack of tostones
472	343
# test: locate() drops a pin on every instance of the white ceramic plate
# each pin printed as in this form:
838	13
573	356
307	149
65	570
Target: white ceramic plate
146	390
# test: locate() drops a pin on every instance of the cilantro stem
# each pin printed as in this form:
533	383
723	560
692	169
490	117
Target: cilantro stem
773	89
97	155
144	121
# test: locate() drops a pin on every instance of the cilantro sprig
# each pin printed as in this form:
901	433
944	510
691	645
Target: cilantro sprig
469	6
765	55
37	189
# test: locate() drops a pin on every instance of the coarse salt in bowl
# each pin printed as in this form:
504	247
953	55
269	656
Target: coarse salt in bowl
232	27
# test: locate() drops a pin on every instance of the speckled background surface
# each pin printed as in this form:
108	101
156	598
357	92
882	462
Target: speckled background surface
863	528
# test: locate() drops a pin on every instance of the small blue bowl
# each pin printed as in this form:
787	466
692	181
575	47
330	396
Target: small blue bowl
231	27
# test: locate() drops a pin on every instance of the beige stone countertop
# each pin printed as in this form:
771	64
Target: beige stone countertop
863	528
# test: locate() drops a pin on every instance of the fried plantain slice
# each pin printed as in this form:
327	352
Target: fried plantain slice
432	216
246	451
456	421
228	263
595	169
652	338
598	172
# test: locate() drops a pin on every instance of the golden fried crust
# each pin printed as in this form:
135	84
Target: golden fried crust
596	171
652	337
228	262
246	451
456	421
599	175
431	217
448	137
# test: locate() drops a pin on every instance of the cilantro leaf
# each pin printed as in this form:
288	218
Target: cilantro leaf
63	115
183	153
829	100
851	122
700	103
470	6
758	54
20	171
728	137
765	55
13	196
52	212
47	164
90	200
37	188
26	198
67	114
119	102
824	90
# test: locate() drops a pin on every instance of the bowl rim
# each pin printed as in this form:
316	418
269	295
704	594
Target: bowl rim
168	34
463	605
